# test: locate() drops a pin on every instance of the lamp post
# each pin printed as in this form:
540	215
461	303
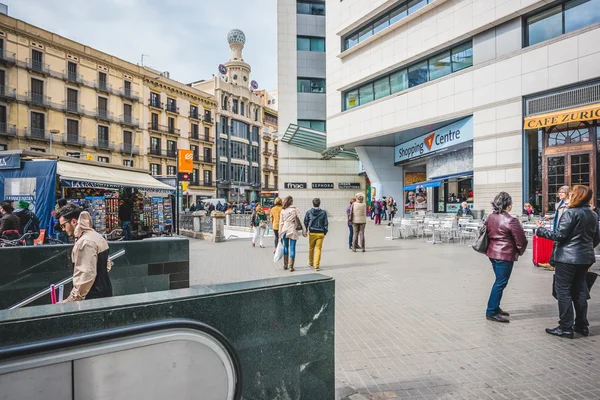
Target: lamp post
52	133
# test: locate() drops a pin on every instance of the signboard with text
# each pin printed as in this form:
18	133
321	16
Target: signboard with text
185	161
432	142
321	185
349	185
294	185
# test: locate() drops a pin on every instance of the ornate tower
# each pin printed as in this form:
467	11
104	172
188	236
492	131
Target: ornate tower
238	72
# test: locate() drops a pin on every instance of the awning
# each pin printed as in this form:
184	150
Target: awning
313	140
586	113
424	184
77	175
437	181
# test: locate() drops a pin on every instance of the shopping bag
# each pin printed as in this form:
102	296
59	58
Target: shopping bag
278	252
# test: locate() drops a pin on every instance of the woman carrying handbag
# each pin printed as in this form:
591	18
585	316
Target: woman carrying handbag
289	225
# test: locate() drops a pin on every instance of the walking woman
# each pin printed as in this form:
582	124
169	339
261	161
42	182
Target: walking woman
377	211
507	242
275	213
259	224
573	254
392	207
289	222
350	228
358	217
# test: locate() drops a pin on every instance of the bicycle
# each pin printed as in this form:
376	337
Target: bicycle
114	236
22	241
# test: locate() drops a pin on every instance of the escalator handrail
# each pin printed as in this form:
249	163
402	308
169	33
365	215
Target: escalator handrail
90	338
65	281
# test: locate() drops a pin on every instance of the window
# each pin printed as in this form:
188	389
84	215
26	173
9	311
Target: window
128	163
311	85
171	148
37	91
266	161
155	169
72	71
242	108
102	106
194	150
571	133
37	60
310	8
442	64
154	121
103	135
172	105
72	100
224	103
38	124
171	170
380	22
207	154
72	130
74	154
312	124
171	122
103	159
194	112
128	137
206	133
208	177
310	43
254	134
194	131
102	81
155	145
235	106
239	129
127	92
127	110
4	147
266	181
195	175
563	18
155	100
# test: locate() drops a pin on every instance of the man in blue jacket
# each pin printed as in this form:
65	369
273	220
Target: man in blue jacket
317	226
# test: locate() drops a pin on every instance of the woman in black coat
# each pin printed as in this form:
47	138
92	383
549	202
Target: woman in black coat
575	237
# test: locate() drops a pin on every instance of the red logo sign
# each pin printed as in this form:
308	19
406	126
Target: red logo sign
429	140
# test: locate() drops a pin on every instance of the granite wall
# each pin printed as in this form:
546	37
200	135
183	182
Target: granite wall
282	329
147	266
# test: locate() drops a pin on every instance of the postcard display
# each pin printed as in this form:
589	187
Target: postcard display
162	214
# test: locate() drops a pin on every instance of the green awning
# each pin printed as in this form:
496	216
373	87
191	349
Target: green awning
315	141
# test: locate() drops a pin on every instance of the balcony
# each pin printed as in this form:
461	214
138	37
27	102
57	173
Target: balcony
202	138
103	86
73	77
208	160
268	167
103	114
36	134
7	57
172	108
210	184
73	108
8	94
266	136
275	154
128	148
267	152
155	103
38	66
195	115
7	129
129	94
156	152
128	120
208	117
163	129
101	144
73	140
35	99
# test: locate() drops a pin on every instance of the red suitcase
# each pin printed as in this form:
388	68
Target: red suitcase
542	250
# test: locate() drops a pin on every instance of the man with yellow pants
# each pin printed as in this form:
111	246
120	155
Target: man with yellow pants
317	225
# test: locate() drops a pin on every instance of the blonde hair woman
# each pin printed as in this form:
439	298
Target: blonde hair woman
275	214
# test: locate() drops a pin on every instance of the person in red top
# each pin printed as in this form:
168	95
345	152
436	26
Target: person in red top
507	242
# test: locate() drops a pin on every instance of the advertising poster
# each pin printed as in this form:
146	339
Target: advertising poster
415	199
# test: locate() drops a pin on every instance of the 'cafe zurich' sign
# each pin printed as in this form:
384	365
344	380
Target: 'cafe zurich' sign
294	185
322	185
448	136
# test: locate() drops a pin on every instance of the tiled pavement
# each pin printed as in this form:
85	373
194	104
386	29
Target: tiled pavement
410	320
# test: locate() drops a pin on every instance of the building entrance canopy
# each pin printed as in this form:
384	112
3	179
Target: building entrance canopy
313	140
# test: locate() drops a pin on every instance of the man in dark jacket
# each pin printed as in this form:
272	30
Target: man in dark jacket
9	223
317	226
125	218
29	222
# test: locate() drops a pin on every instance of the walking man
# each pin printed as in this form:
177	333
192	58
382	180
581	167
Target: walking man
317	226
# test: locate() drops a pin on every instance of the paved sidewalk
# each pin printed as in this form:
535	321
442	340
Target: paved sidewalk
410	319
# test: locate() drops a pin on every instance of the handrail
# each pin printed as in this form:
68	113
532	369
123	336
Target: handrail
64	343
46	291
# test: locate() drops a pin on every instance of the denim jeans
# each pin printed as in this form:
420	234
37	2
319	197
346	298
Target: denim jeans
351	228
502	270
289	247
126	225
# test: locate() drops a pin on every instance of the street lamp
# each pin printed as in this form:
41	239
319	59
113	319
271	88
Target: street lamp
52	133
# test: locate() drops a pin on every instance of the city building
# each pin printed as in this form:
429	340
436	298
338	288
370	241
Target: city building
270	151
239	118
455	100
307	167
177	116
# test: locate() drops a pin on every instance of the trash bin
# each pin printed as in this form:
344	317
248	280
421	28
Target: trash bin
478	214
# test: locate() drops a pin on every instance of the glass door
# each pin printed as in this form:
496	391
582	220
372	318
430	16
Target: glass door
556	177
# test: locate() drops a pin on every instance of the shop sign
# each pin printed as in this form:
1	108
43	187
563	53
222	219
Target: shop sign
349	185
322	185
185	161
294	185
10	161
587	113
432	142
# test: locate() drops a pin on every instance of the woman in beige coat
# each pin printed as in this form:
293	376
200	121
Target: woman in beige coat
288	232
358	217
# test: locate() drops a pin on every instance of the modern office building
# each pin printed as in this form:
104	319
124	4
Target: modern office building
307	169
455	100
239	118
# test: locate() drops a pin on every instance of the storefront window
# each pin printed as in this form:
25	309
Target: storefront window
571	133
534	152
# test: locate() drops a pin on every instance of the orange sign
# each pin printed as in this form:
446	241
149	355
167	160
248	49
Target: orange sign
587	113
429	140
186	161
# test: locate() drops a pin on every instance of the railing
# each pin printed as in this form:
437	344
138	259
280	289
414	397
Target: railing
206	224
267	152
155	152
7	129
172	153
163	129
208	117
128	93
104	144
268	167
38	66
186	221
38	99
207	159
104	114
8	56
73	77
266	136
73	107
203	138
129	120
64	282
194	114
73	139
240	220
7	92
275	154
36	134
172	108
103	86
128	148
155	103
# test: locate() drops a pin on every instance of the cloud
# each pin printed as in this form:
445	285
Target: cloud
188	38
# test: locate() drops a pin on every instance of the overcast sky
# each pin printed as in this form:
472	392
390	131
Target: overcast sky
188	38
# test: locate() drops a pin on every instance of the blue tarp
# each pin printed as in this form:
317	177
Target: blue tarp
34	182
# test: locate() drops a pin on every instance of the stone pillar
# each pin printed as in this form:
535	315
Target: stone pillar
227	219
218	226
196	216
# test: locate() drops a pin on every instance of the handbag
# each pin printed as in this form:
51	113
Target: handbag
482	242
298	224
263	225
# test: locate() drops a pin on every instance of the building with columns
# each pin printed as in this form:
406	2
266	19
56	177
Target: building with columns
239	121
447	101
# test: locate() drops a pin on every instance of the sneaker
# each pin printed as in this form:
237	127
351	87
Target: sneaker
309	264
318	269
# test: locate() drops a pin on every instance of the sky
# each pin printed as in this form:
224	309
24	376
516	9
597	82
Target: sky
188	38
